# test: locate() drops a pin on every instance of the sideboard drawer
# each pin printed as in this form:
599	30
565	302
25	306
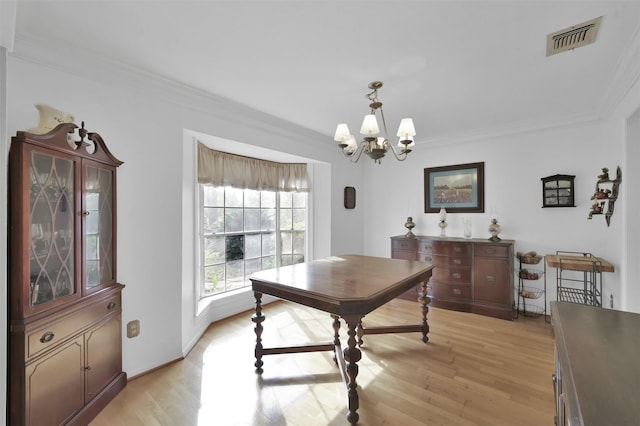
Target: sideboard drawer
405	254
487	250
404	244
447	248
450	291
451	261
454	276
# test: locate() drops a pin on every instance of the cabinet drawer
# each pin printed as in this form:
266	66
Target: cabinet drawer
425	246
447	248
404	254
49	335
450	291
488	250
451	261
405	244
452	276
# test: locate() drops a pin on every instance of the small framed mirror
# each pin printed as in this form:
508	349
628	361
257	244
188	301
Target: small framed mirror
558	191
349	197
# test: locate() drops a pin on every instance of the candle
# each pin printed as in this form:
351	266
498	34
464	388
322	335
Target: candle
443	215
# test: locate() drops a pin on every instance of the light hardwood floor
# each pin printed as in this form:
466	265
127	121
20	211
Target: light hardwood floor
475	370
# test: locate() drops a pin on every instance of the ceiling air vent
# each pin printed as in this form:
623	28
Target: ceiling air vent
573	37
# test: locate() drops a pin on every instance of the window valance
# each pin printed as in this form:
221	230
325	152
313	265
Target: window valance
224	169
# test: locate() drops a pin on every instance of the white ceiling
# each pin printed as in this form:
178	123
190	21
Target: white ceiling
455	67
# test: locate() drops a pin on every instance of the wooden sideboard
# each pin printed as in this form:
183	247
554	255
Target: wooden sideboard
597	365
471	275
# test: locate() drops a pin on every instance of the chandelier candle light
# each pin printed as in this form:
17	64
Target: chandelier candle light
375	146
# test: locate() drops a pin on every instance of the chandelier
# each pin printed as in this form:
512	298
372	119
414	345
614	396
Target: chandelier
373	145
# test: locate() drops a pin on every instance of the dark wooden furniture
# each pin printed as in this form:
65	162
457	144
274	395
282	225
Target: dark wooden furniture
472	275
348	287
597	365
65	343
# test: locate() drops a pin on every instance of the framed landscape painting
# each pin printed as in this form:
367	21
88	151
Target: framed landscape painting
458	188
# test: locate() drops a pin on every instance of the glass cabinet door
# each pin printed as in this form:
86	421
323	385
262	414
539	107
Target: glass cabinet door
98	226
51	206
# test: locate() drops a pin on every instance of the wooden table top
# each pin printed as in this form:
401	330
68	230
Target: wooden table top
578	263
600	349
344	284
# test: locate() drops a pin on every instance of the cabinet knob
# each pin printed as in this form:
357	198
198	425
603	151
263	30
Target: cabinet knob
47	337
87	368
83	213
111	305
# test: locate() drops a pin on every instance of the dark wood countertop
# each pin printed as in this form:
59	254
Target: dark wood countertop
599	354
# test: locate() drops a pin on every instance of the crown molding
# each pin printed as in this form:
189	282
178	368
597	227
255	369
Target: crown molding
96	67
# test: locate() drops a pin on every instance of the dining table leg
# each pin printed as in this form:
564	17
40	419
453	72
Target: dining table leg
352	355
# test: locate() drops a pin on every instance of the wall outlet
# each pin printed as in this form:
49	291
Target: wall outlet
133	328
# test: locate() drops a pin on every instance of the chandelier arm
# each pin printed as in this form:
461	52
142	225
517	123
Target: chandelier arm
357	153
384	125
400	157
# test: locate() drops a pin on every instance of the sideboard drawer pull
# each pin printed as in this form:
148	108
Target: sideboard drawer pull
47	337
457	249
491	278
457	262
456	275
111	305
428	259
491	251
456	291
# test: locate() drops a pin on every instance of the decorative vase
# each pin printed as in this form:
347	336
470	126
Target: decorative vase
409	225
466	222
49	119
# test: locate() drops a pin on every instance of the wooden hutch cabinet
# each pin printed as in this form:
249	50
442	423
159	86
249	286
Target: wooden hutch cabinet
472	275
65	328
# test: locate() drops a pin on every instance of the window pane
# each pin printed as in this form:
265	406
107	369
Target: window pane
213	279
251	220
235	274
252	247
251	198
233	197
285	238
268	262
286	259
299	218
286	200
251	266
298	258
267	219
299	199
234	248
298	242
286	219
269	243
267	199
213	220
233	220
213	250
213	196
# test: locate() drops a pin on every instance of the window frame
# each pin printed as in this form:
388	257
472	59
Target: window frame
201	294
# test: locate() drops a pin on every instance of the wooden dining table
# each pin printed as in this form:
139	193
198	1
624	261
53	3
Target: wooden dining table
348	287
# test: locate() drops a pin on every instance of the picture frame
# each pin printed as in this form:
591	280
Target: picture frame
458	188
